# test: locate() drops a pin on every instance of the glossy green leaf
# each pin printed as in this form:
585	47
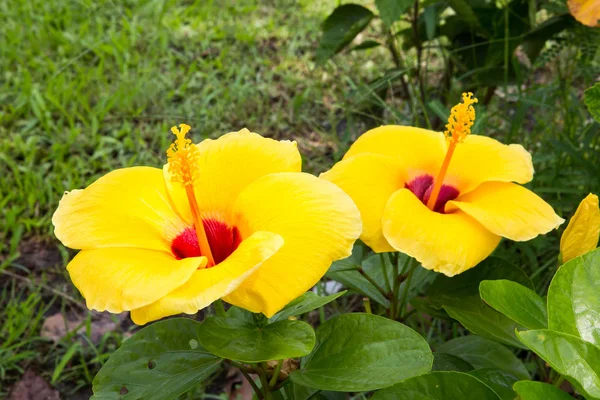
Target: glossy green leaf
576	359
445	289
499	380
242	340
390	11
305	303
460	298
361	352
438	386
530	390
161	361
574	298
483	353
592	101
517	302
340	28
483	320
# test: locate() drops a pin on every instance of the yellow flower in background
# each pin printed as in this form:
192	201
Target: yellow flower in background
445	199
585	11
583	230
232	217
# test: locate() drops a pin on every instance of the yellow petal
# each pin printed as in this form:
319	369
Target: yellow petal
585	11
127	207
448	243
508	210
480	159
583	230
370	179
227	165
318	223
121	279
420	149
209	284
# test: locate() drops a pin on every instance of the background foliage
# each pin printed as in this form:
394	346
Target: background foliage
89	86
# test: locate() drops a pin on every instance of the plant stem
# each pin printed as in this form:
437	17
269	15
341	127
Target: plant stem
275	376
559	381
367	303
388	287
256	389
411	270
262	373
219	308
373	282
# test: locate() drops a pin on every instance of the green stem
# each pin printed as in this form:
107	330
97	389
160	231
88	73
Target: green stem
275	376
367	303
410	274
373	282
219	308
388	287
559	381
256	389
262	373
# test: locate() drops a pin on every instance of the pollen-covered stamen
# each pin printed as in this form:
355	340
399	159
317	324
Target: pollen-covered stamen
183	166
462	117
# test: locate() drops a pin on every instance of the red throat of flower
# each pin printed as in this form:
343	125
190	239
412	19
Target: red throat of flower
422	186
222	238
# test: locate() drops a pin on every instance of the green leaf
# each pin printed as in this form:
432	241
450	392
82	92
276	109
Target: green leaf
161	361
483	320
448	362
242	340
530	390
574	298
535	40
367	44
460	298
483	353
353	280
361	352
340	28
445	289
517	302
349	263
463	9
499	380
577	360
438	386
592	101
390	11
303	304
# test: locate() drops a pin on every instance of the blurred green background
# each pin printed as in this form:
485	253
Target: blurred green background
89	86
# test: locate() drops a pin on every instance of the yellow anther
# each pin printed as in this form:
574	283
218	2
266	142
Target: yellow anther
182	156
183	166
462	117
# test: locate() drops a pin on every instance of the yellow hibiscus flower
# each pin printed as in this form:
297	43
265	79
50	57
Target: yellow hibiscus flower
445	199
231	218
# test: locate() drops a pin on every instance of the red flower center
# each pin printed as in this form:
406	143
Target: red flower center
422	186
222	238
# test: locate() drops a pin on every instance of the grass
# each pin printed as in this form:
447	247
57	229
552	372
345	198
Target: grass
90	86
